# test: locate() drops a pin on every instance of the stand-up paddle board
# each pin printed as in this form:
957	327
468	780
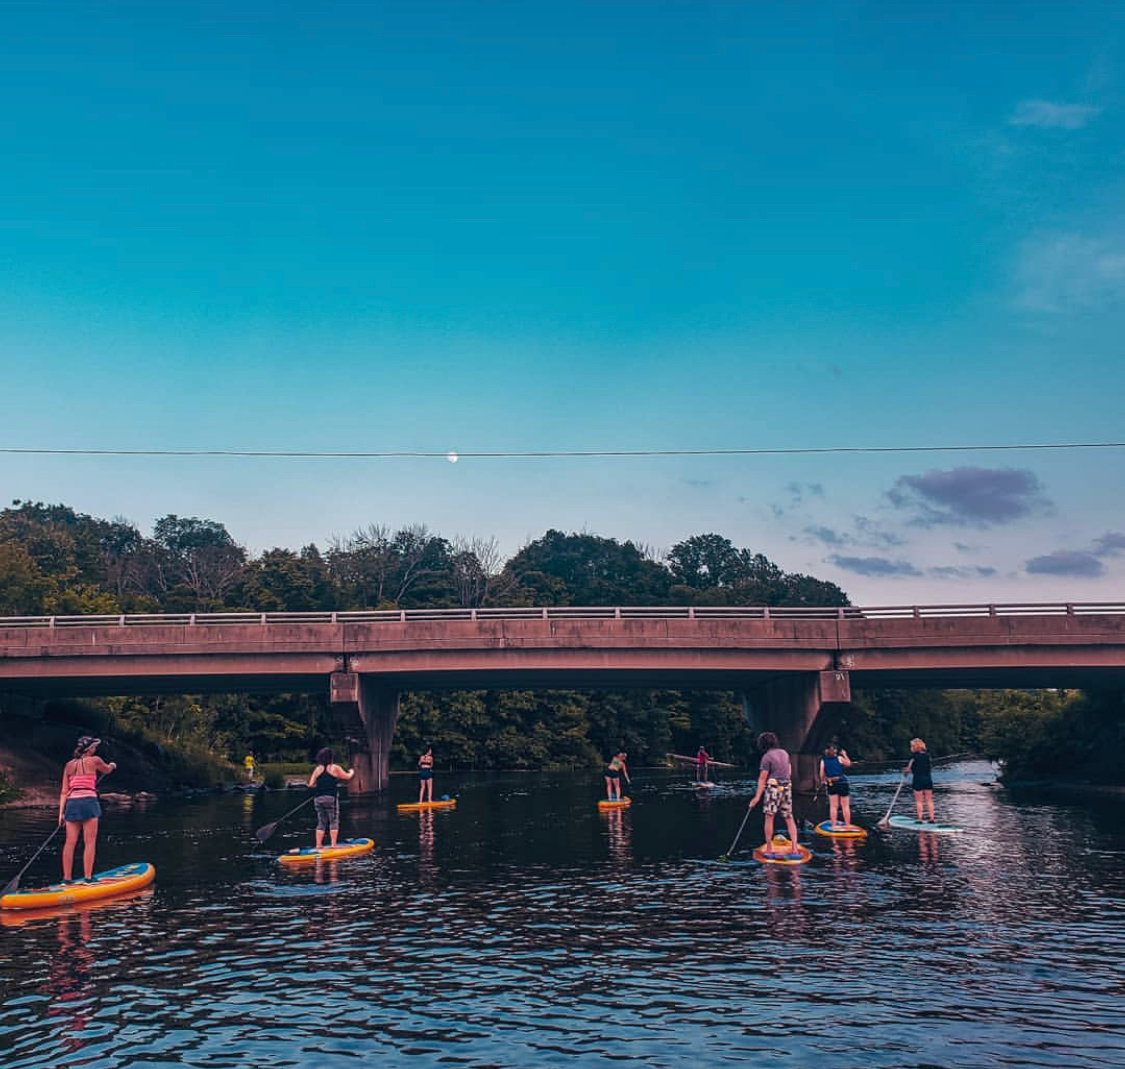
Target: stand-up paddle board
923	825
348	848
607	807
841	831
700	785
444	803
782	852
102	885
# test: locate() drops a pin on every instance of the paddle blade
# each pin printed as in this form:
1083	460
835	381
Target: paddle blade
11	886
266	830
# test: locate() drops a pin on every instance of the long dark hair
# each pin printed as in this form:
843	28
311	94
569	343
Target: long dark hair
324	756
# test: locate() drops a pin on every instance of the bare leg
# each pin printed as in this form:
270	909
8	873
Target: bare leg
333	834
90	845
918	805
792	825
319	838
72	829
833	802
769	832
429	790
930	802
846	805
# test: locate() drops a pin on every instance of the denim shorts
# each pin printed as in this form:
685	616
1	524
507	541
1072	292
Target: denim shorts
81	809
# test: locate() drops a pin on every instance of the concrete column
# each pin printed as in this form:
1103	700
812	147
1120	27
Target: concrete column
369	712
803	710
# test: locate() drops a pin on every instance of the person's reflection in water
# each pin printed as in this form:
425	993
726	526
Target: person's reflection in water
326	872
620	837
783	901
928	848
427	869
68	979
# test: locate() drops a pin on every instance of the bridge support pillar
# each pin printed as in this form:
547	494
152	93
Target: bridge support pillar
369	713
803	711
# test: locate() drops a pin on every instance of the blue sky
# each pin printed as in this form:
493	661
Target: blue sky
511	226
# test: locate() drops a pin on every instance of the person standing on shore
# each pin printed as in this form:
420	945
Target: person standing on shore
79	807
923	780
426	776
325	781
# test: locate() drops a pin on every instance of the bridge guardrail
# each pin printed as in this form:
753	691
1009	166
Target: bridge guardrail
573	612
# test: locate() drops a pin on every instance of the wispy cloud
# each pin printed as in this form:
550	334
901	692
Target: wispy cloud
949	571
1111	544
969	496
875	566
1070	562
1049	115
1069	272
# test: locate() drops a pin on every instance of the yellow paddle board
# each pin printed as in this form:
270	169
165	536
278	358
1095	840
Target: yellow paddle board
783	852
444	803
103	885
348	848
607	806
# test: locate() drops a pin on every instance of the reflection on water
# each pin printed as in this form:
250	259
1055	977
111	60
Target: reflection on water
526	929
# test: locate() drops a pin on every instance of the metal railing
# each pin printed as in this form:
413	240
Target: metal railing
629	612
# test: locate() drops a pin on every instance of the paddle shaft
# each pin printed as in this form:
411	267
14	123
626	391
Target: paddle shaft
901	783
738	834
266	830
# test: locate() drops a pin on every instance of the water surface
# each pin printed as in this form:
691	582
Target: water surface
526	929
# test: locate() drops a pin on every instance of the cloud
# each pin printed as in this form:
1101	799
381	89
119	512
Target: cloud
700	484
828	536
874	566
1071	562
1048	115
1109	545
1060	273
957	572
969	496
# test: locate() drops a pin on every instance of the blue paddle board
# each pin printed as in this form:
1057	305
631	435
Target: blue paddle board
921	825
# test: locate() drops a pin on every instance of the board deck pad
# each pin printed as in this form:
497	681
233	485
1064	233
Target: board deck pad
841	831
784	852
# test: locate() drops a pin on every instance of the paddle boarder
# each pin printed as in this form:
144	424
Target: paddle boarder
702	760
613	773
831	774
325	782
79	807
426	776
922	780
775	785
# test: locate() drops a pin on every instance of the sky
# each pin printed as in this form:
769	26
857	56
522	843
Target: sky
474	227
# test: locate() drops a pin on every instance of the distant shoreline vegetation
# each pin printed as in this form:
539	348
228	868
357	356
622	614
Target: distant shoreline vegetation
56	561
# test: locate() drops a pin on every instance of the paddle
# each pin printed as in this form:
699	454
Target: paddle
738	835
266	830
14	883
885	822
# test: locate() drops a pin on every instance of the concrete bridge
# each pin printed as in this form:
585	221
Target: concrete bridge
794	667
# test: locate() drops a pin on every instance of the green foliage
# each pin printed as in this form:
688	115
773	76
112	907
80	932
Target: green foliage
1054	735
880	723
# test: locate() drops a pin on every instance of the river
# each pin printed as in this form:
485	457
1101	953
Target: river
525	929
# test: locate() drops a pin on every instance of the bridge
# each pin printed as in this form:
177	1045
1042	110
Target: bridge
793	667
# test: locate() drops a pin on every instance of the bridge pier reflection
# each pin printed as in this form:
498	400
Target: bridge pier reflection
803	710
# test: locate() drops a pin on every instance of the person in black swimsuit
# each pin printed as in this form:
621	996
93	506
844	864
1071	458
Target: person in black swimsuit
923	781
325	781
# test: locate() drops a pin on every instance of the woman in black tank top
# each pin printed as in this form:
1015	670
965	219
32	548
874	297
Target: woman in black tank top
325	784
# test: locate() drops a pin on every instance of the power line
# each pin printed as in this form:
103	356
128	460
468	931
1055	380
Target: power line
561	454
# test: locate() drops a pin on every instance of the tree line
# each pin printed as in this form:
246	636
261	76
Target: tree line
57	561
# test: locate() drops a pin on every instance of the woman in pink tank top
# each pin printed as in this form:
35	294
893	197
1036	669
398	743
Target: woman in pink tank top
79	808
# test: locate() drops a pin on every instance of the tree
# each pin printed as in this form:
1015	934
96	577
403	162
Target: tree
202	556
